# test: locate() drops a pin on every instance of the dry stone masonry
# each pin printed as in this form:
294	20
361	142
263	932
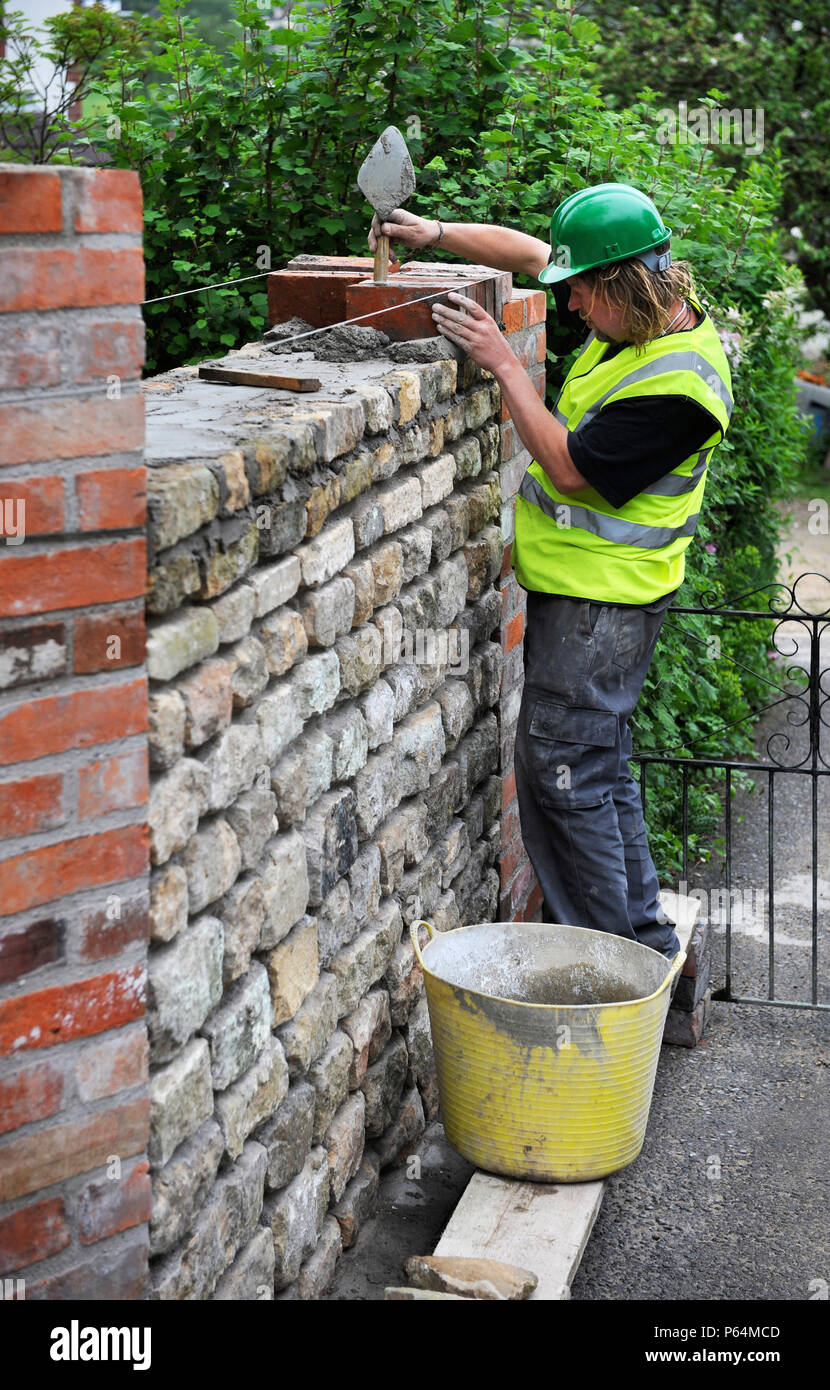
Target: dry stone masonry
324	658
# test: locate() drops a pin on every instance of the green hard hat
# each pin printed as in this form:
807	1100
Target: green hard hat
609	222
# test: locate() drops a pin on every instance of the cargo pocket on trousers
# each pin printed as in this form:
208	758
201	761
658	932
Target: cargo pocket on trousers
573	754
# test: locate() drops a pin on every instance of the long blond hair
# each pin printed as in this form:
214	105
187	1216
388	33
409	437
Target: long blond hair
644	297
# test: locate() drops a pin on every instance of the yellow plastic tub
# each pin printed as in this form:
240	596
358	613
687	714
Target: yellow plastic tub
531	1086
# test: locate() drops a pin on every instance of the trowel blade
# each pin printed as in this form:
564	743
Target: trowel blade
386	177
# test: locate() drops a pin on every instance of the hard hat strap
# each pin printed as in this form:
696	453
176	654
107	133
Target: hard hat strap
654	260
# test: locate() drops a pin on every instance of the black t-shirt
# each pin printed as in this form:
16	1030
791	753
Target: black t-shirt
631	443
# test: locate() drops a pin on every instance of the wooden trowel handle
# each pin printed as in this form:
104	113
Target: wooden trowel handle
382	260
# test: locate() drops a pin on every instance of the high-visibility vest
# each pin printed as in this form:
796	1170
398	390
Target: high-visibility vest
577	543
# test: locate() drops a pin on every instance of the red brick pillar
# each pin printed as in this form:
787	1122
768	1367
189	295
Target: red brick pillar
521	896
74	1186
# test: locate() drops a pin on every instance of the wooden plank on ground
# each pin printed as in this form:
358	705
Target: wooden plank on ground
540	1226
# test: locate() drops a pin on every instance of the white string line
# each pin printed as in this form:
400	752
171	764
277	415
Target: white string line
436	294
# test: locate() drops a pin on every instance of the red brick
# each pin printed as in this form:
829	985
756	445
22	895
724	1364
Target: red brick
68	429
506	563
521	885
72	577
32	652
42	499
42	875
51	1155
513	633
79	720
30	201
534	902
541	347
113	1205
108	200
113	783
77	1010
32	1234
537	376
318	298
29	355
35	804
108	1277
508	789
402	319
113	1065
30	948
36	278
96	648
509	861
112	498
511	827
30	1095
102	934
112	347
510	442
513	315
536	307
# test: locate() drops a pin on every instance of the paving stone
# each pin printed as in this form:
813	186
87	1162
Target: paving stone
317	682
249	671
402	1294
251	818
436	479
329	1075
184	983
180	641
317	1273
285	885
471	1278
232	762
362	575
181	1186
416	549
296	1215
234	612
181	499
422	1070
389	624
348	731
404	980
420	889
293	970
382	1086
168	902
208	700
364	884
306	1034
362	963
171	580
400	503
330	833
321	558
251	1099
212	861
251	1276
225	1224
359	1201
370	1028
387	568
457	710
378	408
238	1028
284	640
377	706
419	742
376	789
273	585
280	716
344	1141
336	921
328	612
286	1136
403	1135
359	656
181	1099
166	721
177	800
242	911
367	520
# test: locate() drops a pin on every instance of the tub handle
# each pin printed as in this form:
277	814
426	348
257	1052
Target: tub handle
413	932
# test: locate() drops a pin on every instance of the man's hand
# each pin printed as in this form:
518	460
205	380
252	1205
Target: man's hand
474	330
405	227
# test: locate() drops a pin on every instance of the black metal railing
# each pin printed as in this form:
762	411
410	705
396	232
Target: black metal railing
804	692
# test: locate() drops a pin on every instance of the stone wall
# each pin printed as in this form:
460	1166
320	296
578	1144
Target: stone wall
324	651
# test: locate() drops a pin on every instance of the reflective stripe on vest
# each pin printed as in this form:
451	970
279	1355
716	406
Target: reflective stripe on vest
688	361
609	528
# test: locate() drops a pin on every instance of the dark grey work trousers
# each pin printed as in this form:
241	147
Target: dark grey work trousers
579	806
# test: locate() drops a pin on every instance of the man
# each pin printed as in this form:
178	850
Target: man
603	518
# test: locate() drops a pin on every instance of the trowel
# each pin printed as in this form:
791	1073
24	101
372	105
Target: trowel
386	179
